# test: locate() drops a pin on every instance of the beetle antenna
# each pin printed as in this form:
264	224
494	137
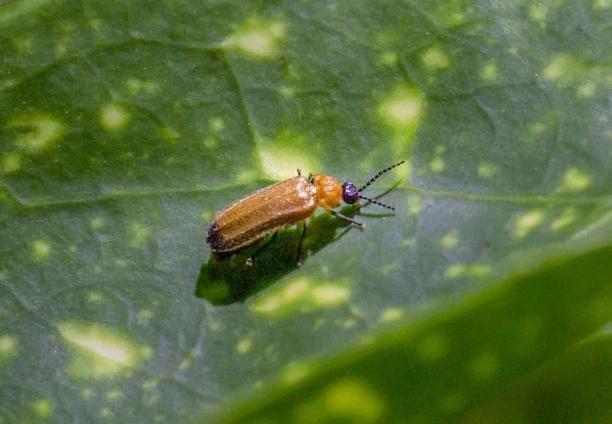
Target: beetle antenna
377	176
376	202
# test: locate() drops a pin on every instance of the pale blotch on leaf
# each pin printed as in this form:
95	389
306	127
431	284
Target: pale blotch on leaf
433	348
11	162
538	13
330	295
86	393
388	58
575	179
95	297
564	69
455	271
283	298
528	222
392	314
43	132
216	124
437	163
487	169
145	314
602	4
140	234
489	72
301	293
41	249
210	142
452	402
114	116
473	270
450	240
8	347
567	218
294	372
136	86
401	110
106	412
435	58
99	351
586	89
257	38
351	399
244	345
415	203
281	156
169	134
42	408
96	222
484	366
24	45
287	92
114	394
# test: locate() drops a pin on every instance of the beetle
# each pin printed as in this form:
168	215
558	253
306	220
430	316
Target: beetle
281	205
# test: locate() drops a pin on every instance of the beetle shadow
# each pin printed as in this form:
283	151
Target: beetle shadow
226	280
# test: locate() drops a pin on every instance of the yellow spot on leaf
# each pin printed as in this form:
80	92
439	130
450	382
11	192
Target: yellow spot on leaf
330	295
257	38
302	293
282	156
402	109
285	297
391	314
437	165
11	162
538	13
575	179
169	134
567	218
294	372
140	234
244	345
114	394
485	366
586	89
489	72
487	169
42	408
433	348
113	117
98	351
450	240
435	58
97	222
528	222
145	314
41	249
216	124
43	131
8	347
350	399
388	58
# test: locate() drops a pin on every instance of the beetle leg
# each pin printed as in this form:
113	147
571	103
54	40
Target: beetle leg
347	218
250	259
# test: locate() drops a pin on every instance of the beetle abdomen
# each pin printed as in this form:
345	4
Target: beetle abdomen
265	211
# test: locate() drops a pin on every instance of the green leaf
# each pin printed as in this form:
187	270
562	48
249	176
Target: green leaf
124	127
434	369
579	380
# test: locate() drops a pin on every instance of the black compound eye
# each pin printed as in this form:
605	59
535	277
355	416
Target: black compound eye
350	193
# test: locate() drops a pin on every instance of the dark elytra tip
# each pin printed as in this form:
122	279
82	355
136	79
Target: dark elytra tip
350	193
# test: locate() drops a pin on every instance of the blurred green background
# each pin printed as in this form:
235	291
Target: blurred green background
125	125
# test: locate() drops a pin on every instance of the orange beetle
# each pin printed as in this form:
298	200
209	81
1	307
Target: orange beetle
281	205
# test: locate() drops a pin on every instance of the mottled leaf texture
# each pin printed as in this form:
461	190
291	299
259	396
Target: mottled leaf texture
125	125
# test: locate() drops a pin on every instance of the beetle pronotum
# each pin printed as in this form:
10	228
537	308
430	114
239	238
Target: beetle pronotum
281	205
